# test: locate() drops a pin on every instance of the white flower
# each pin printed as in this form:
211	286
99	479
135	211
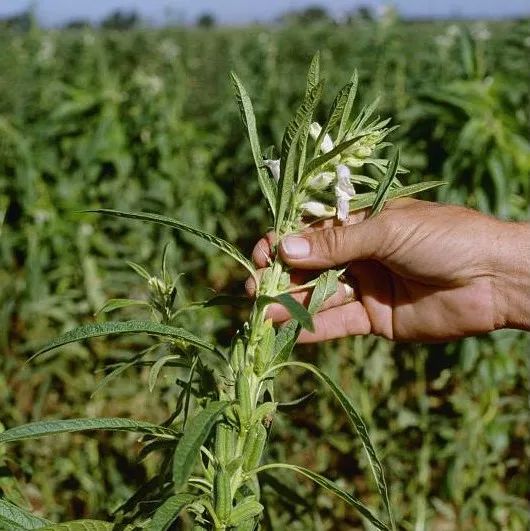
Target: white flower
274	167
322	180
344	191
318	209
327	144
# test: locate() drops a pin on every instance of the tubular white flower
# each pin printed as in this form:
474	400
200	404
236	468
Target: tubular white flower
327	144
274	167
317	209
344	191
322	180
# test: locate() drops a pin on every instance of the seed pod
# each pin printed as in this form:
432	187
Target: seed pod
243	395
265	280
253	447
263	411
244	511
265	348
237	355
224	443
222	495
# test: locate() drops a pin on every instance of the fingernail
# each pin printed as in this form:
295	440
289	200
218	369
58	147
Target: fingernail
295	247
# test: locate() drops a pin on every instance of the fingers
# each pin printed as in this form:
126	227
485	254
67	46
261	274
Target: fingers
262	253
263	250
340	321
337	245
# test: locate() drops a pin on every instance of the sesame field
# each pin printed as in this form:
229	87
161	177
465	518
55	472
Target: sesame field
147	120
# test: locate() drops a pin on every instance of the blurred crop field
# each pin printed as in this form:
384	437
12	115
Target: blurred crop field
145	120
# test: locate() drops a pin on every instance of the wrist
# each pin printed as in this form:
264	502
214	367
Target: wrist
512	286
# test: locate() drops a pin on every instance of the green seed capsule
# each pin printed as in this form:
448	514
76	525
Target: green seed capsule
243	395
224	443
253	447
265	348
244	511
222	495
237	355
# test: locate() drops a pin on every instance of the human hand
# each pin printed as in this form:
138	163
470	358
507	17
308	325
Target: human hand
422	271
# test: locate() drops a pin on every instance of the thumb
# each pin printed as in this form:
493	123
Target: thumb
325	248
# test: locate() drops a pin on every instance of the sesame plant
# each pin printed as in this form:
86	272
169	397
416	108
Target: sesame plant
212	448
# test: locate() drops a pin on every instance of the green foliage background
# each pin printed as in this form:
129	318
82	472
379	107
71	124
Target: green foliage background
146	120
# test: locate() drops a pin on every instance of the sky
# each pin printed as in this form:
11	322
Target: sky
56	12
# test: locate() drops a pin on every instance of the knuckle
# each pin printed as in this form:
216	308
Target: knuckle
329	243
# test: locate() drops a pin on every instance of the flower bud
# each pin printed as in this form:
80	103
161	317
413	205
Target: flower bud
317	209
322	180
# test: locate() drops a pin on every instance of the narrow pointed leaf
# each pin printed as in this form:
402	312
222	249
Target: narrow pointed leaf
115	304
188	448
313	74
139	270
157	367
361	201
168	512
384	188
343	126
297	311
366	112
359	425
285	341
267	185
326	285
42	428
125	327
286	184
315	96
80	525
332	487
15	518
221	244
293	150
335	113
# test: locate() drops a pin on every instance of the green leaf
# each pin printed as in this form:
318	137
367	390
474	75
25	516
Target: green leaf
343	127
188	448
383	189
361	201
13	517
286	184
285	341
157	367
295	309
80	525
326	285
168	512
336	111
42	428
139	270
366	112
245	510
332	487
315	96
115	304
359	425
125	327
313	74
267	185
296	132
287	334
221	244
